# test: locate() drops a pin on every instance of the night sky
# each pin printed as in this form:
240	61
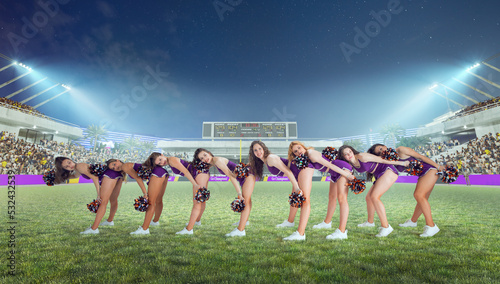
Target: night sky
338	68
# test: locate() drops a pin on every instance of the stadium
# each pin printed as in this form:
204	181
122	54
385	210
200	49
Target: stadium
43	240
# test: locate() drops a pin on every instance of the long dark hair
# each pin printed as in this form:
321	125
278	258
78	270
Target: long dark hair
150	161
341	152
108	162
256	164
369	176
196	160
61	174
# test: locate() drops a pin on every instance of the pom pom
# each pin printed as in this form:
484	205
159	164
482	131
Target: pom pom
415	168
201	166
356	185
330	153
238	205
296	199
301	161
202	195
144	172
390	155
94	205
49	177
141	204
97	169
449	175
242	170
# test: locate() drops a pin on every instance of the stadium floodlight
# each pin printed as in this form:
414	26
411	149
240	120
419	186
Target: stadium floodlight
433	87
57	132
66	87
465	126
442	131
34	126
473	66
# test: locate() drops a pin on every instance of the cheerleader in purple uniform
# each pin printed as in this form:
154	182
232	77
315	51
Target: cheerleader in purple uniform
107	186
338	190
304	177
426	181
197	178
244	186
385	175
260	155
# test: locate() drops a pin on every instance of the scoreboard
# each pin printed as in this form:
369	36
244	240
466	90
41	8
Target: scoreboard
249	130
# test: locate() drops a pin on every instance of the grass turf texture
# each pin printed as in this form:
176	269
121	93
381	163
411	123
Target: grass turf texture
50	249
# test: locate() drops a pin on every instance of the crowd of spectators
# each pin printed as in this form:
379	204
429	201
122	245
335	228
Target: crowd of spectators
478	156
437	148
495	102
8	103
34	159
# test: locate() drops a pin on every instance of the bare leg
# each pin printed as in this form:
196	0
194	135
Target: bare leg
198	207
113	200
107	186
159	200
247	191
332	202
377	190
305	184
342	190
154	190
422	192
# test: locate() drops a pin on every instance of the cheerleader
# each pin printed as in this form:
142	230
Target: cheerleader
197	178
244	186
385	175
426	181
107	187
154	194
304	177
260	155
338	191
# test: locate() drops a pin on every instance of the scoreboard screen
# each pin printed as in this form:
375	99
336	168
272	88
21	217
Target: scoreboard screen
248	130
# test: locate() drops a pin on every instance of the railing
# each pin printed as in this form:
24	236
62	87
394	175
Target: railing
469	112
37	114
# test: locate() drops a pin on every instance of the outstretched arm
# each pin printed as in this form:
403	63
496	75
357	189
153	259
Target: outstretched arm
412	153
275	161
176	163
128	168
367	157
83	168
221	163
316	157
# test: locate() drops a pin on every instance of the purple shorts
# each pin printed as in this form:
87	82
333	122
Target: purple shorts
334	176
190	169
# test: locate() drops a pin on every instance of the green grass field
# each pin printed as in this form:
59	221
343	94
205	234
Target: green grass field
49	248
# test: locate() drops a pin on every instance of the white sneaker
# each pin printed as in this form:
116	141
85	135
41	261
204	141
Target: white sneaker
197	223
408	223
323	225
185	232
238	223
154	223
140	231
89	231
384	232
285	224
337	235
430	231
366	224
295	237
236	233
106	223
